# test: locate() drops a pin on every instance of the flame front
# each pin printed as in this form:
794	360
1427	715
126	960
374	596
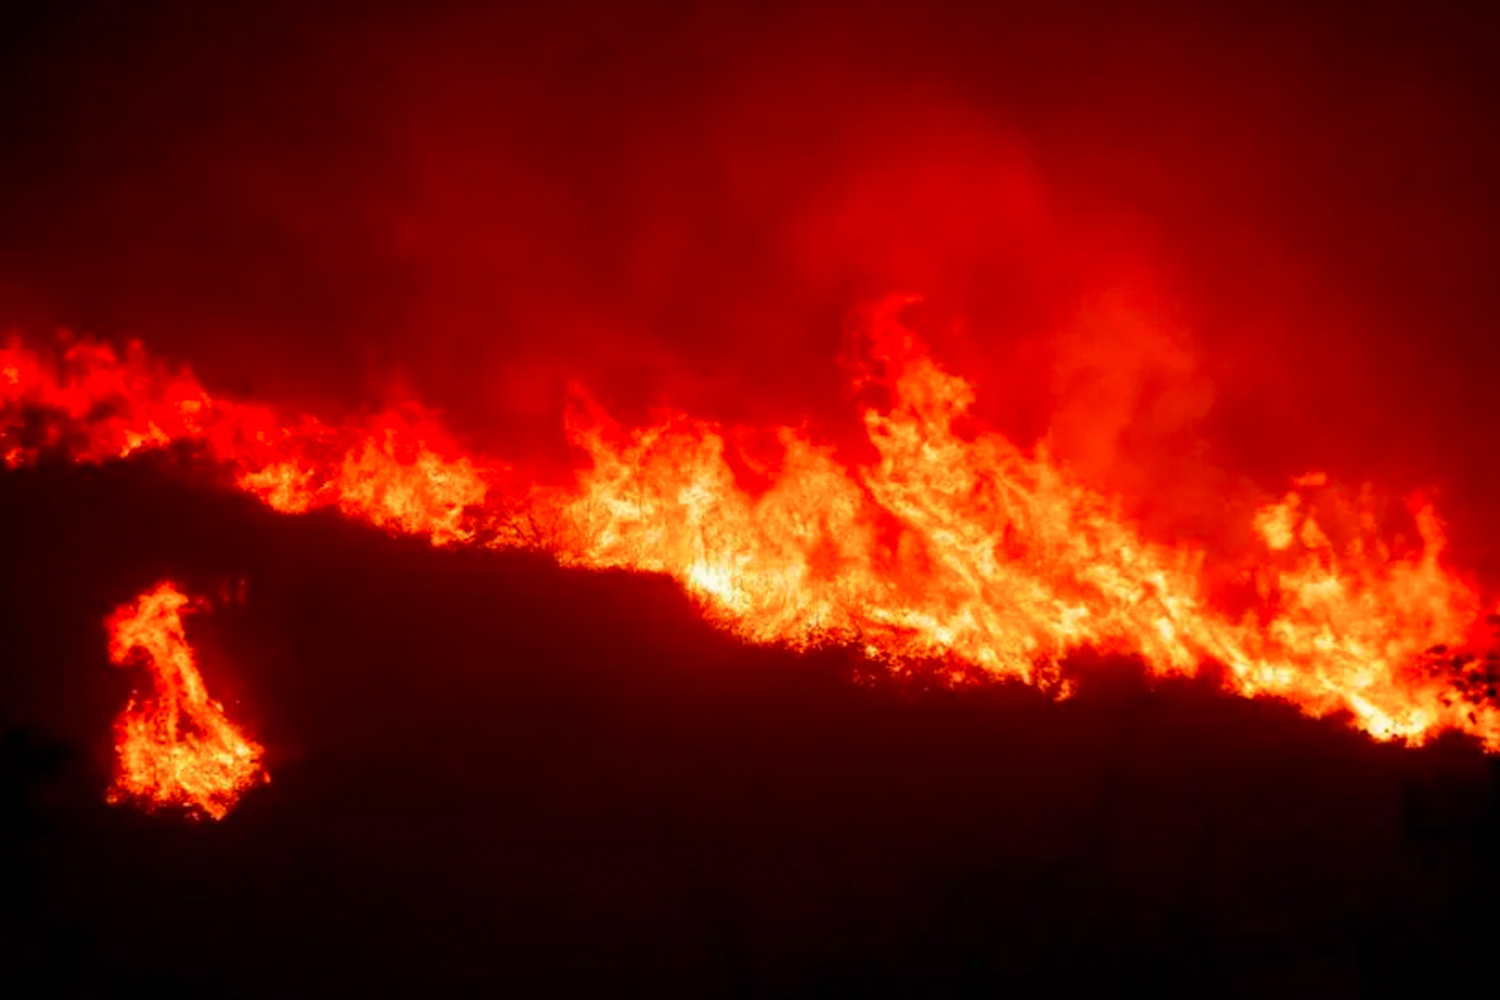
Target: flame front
176	746
960	549
974	553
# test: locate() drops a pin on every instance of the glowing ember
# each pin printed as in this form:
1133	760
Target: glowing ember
175	747
960	549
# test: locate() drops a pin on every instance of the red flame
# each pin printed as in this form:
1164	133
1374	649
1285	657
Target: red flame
959	548
175	747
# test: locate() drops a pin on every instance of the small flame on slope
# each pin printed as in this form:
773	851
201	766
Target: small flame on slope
175	746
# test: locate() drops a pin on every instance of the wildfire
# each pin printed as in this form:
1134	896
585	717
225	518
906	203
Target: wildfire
963	549
175	747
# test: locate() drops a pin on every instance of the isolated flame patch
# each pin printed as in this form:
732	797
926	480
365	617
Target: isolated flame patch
175	746
962	549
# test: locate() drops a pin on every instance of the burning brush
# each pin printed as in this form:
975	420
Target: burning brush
956	548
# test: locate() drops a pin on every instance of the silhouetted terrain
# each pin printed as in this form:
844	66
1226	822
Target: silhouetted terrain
491	774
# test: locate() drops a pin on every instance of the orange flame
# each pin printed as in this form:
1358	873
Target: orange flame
1001	564
961	549
176	747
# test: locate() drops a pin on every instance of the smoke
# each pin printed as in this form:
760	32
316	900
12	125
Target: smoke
1131	399
1256	243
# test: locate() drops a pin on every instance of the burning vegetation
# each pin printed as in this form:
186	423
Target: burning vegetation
175	746
951	546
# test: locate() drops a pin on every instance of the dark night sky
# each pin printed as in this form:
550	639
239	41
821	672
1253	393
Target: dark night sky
1276	225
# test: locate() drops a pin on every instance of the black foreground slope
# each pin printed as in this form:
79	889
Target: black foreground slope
492	775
